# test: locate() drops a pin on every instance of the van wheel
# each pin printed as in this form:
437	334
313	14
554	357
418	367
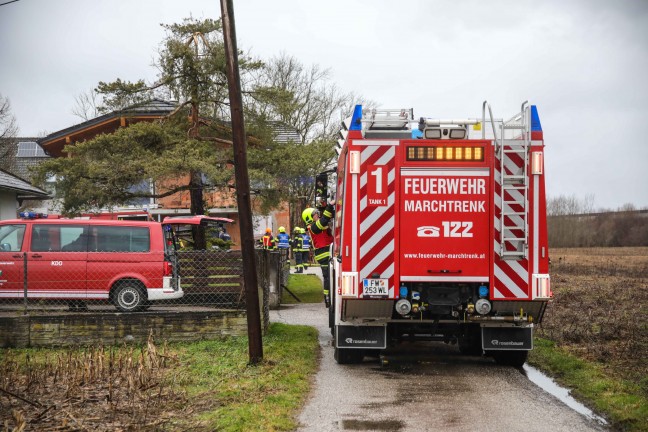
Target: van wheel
129	297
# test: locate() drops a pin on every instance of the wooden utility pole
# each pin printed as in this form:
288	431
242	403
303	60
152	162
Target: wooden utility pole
242	184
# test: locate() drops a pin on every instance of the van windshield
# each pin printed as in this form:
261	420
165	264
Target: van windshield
11	237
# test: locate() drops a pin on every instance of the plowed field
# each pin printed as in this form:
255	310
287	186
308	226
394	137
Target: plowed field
600	307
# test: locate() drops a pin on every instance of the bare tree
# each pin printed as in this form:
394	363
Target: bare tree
8	133
572	222
566	220
87	105
302	99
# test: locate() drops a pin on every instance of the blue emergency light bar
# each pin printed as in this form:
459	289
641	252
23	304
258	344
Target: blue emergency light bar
32	215
356	120
535	120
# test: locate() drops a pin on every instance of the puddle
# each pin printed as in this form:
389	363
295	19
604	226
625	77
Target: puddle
363	425
550	386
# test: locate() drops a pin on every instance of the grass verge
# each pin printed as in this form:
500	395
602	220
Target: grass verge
238	397
198	386
307	287
624	403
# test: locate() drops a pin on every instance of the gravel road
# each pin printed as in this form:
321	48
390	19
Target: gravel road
426	387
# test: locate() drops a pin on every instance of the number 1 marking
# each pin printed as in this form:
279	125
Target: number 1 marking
378	174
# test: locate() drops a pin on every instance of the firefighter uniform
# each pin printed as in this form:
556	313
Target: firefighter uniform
283	239
320	234
297	244
306	247
268	240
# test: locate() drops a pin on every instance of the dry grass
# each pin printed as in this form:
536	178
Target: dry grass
98	389
600	307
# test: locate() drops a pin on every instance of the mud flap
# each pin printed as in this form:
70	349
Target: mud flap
374	337
507	338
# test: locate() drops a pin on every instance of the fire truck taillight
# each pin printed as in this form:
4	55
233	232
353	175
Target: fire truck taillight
445	154
541	287
536	163
354	162
349	285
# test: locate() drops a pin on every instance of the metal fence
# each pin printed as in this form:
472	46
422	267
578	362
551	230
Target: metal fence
125	281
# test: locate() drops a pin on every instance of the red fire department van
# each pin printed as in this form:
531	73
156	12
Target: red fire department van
440	233
130	263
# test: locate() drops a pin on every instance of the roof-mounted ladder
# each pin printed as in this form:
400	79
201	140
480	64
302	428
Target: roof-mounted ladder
513	153
512	149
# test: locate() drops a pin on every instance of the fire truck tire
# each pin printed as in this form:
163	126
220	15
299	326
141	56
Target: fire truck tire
128	296
348	356
510	358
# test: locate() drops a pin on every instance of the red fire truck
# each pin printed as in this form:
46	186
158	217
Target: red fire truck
440	233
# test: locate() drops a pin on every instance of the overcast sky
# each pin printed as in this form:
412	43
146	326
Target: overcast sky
583	63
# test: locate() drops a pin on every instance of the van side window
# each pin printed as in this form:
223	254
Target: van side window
74	238
59	238
11	238
123	239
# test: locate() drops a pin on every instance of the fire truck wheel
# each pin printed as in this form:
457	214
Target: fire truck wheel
348	356
128	297
510	358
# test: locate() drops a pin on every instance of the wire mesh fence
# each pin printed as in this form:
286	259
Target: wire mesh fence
130	281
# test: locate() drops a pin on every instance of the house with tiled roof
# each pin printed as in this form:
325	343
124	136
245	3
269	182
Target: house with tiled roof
53	143
14	191
218	202
28	155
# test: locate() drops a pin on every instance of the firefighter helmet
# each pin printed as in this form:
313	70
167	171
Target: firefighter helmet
307	215
282	229
268	230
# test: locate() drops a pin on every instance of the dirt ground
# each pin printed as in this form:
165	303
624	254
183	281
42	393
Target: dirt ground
600	307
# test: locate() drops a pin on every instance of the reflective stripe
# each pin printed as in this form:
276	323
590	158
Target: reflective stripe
322	255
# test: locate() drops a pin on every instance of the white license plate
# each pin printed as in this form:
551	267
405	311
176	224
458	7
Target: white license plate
375	287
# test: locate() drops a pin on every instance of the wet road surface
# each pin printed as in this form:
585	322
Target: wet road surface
425	387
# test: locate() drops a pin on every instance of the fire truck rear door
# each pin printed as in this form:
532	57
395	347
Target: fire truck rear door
444	225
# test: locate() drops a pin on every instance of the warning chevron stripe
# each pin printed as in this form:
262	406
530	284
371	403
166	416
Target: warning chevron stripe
378	222
511	277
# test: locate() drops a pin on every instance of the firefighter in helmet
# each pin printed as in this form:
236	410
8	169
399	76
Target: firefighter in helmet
268	240
297	245
320	234
306	247
283	239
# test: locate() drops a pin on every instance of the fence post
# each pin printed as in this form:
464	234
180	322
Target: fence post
274	278
25	300
262	281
